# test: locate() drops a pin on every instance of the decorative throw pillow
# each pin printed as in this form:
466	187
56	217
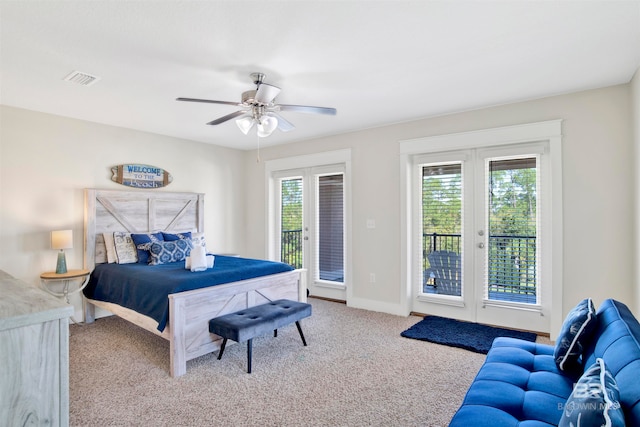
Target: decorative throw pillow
125	249
140	240
595	400
574	336
111	247
163	252
169	237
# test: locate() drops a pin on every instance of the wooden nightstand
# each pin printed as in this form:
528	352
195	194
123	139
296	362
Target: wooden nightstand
59	284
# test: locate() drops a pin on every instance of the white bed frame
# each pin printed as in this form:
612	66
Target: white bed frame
189	312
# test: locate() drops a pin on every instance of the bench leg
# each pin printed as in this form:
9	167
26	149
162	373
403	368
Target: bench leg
301	334
224	343
249	345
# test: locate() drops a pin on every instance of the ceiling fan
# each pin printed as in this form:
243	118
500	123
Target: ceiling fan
258	107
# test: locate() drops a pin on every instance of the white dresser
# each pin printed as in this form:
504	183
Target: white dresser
34	356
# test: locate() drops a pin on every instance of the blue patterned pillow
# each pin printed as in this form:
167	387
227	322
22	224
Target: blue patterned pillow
574	336
141	241
595	400
173	251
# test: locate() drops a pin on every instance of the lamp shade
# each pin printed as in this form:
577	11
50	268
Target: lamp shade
62	239
267	125
245	124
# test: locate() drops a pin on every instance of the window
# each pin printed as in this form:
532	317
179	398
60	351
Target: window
512	223
441	226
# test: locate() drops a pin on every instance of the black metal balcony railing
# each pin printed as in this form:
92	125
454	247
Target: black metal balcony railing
330	268
512	261
291	248
511	267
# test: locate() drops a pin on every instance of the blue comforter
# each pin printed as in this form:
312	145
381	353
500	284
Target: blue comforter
145	288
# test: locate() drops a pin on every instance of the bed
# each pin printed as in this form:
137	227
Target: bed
186	325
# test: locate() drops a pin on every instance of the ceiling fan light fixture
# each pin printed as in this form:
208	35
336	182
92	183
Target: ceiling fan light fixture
266	126
245	124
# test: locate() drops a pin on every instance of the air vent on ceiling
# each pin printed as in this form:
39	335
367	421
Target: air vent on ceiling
82	79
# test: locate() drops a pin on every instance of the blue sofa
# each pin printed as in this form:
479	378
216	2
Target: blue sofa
520	383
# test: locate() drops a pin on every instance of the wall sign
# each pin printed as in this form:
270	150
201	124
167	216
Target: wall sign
141	176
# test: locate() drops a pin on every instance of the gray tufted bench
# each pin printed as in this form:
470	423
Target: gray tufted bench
244	325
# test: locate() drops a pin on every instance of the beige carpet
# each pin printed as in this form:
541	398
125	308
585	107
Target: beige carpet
356	371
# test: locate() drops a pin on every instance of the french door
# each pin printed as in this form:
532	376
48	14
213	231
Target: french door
480	216
309	228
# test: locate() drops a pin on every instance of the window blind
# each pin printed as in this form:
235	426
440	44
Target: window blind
441	224
330	227
511	261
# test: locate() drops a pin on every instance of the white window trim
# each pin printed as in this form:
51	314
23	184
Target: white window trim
550	131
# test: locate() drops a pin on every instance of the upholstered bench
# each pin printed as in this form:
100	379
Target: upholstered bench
244	325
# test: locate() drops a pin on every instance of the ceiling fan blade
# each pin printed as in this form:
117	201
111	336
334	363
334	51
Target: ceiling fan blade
210	101
283	124
227	117
308	109
266	93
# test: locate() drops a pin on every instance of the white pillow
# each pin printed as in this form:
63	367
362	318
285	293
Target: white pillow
126	251
111	247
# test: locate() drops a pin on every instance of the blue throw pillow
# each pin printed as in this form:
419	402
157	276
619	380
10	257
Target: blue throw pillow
164	252
595	400
574	336
141	241
168	237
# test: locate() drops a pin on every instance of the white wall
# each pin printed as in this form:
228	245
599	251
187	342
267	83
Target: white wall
597	187
635	112
46	161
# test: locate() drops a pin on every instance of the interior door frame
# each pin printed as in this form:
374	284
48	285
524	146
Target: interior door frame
550	131
311	161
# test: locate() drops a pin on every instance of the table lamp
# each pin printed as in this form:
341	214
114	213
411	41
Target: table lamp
61	239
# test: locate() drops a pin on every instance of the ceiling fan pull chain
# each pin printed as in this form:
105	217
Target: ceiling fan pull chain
258	157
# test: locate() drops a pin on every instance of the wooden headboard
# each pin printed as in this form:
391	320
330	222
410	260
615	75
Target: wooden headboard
106	211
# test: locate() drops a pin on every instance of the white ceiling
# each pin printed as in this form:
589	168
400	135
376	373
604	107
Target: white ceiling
377	62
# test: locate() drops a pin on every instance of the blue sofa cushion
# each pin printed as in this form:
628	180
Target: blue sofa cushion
516	386
617	342
594	401
575	334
